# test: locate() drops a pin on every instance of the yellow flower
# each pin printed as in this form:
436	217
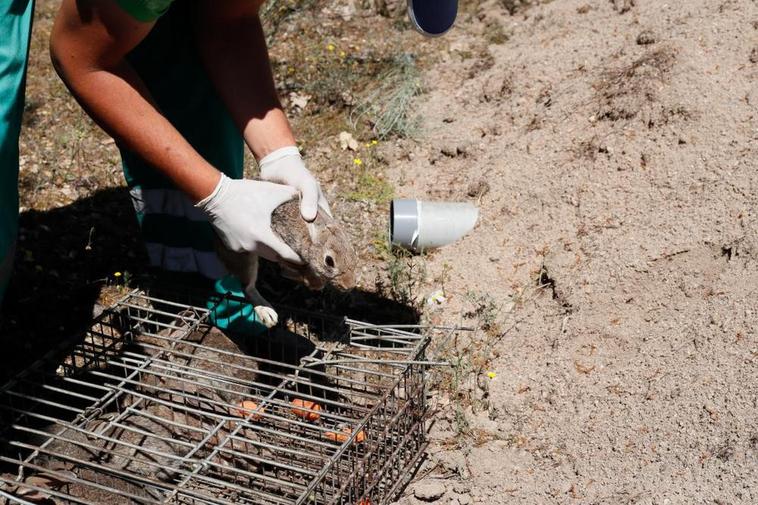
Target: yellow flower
491	375
358	161
374	142
117	274
330	47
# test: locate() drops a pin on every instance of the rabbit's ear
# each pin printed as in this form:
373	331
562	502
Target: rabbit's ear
313	232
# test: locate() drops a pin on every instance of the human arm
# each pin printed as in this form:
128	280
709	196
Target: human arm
233	49
89	44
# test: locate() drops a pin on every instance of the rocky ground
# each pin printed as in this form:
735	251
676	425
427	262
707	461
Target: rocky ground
612	279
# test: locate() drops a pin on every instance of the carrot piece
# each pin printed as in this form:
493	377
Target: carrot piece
247	405
342	436
306	409
336	436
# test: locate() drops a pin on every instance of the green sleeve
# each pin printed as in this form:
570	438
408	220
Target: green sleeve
145	10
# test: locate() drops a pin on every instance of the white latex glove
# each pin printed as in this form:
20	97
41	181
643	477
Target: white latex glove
285	166
240	212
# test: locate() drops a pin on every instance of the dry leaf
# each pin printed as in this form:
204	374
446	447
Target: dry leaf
298	100
347	141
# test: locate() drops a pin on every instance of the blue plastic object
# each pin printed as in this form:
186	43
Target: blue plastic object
433	17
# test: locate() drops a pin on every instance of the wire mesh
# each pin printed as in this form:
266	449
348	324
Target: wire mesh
155	405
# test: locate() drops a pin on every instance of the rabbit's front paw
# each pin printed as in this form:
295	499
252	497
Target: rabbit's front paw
267	316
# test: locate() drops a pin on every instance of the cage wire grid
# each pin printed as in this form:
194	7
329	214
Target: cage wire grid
154	405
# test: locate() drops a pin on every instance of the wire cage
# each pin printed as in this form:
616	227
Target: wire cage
155	405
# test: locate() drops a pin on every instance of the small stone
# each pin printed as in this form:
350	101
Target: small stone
464	499
449	150
646	37
754	55
347	141
429	491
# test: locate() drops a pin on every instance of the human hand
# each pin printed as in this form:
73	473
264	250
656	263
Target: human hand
286	166
240	212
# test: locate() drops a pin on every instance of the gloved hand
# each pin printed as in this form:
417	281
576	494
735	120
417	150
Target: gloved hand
240	212
285	166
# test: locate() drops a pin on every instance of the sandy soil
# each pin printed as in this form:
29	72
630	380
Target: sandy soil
619	144
612	279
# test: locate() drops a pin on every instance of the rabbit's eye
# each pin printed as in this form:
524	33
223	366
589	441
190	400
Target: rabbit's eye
329	261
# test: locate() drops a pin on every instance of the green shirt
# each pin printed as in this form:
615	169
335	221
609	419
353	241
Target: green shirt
145	10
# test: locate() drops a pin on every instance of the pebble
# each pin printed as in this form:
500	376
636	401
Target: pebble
429	491
449	150
645	38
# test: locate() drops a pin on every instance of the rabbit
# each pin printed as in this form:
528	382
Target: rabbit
322	244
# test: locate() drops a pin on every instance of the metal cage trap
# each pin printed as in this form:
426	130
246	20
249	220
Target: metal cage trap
155	405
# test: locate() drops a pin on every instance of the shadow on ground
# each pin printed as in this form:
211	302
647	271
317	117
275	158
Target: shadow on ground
67	255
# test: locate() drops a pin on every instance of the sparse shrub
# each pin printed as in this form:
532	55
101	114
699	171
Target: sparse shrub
387	105
405	275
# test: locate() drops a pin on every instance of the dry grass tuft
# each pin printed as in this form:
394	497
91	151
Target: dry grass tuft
387	105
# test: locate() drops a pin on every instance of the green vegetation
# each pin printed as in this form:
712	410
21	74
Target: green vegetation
371	188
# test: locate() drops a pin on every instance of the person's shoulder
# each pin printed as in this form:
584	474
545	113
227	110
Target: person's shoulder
145	10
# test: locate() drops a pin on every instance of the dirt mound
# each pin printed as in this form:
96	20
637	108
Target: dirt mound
616	255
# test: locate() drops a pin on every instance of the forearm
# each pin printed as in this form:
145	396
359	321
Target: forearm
233	49
117	99
112	99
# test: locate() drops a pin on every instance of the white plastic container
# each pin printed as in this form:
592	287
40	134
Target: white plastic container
419	225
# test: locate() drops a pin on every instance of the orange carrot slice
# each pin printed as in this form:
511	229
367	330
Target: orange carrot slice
306	409
245	407
342	436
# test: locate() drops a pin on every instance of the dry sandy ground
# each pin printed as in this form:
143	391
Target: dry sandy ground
613	274
622	178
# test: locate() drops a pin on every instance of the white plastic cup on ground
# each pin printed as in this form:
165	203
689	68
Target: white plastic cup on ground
419	225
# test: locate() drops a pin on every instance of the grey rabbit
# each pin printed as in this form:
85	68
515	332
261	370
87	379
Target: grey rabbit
323	245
